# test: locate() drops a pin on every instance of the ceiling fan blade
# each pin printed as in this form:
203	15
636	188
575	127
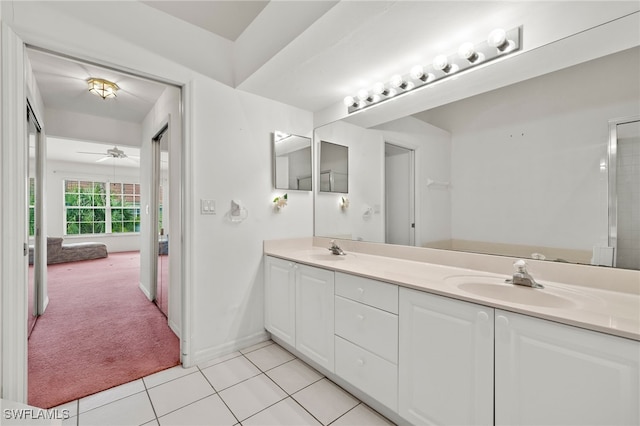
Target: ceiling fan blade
100	160
94	153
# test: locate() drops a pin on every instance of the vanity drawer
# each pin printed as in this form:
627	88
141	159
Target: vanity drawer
368	372
370	328
370	292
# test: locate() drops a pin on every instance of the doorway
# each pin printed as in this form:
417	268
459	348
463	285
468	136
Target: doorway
399	195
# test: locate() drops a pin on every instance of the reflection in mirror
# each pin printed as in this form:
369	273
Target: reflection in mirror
334	167
624	195
292	161
518	171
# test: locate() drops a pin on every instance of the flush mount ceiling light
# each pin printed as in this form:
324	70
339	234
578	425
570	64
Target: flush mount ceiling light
499	43
103	88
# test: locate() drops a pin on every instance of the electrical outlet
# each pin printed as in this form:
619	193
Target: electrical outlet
207	206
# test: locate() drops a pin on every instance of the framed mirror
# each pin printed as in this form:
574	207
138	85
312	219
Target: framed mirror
334	168
291	162
518	171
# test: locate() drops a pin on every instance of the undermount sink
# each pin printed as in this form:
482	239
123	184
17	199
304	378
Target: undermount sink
497	288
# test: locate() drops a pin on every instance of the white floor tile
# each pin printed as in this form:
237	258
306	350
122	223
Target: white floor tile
286	413
325	400
269	357
110	395
208	411
167	375
362	415
132	410
230	372
247	398
219	360
71	421
294	375
180	392
256	346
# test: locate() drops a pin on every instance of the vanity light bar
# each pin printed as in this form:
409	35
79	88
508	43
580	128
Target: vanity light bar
499	43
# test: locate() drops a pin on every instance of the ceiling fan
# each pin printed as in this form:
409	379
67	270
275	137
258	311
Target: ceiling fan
114	152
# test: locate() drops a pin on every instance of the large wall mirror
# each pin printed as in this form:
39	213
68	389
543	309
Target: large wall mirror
291	162
520	171
334	167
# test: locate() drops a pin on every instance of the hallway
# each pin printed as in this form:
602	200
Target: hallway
99	331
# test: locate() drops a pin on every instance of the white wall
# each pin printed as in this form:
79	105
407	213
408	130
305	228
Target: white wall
73	125
231	159
366	185
526	158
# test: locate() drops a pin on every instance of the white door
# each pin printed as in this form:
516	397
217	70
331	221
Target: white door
315	314
445	361
553	374
399	195
280	299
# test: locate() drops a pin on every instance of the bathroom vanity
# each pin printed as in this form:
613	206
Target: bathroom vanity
425	343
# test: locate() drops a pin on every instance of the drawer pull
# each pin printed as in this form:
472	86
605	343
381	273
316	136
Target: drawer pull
360	362
360	317
361	291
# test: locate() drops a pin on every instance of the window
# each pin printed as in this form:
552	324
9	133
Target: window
125	207
101	208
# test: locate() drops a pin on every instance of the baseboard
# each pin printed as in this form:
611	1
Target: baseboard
145	291
212	353
174	327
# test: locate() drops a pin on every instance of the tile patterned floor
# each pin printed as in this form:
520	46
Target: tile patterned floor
258	386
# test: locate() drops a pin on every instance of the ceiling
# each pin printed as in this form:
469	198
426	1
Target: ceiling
227	19
306	53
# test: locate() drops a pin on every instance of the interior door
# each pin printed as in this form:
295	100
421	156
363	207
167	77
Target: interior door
399	195
37	242
160	198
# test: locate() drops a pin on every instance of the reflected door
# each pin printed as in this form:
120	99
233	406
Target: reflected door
399	195
37	253
624	192
160	193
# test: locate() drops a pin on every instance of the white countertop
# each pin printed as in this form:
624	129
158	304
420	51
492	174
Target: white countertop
611	312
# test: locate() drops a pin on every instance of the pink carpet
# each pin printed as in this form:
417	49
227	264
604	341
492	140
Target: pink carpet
98	331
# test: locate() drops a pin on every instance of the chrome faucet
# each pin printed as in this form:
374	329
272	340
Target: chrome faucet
522	277
335	249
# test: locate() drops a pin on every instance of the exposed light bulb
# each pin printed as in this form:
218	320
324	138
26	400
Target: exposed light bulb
397	81
498	39
417	72
363	95
350	101
441	62
467	51
380	89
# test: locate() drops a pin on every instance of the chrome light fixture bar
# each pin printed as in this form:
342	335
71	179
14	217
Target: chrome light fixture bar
499	43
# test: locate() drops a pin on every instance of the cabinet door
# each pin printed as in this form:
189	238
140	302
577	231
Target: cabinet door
314	314
280	299
445	361
554	374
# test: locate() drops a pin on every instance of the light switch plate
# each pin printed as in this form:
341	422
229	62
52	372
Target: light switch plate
207	206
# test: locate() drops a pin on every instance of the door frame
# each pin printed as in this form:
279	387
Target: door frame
13	223
412	188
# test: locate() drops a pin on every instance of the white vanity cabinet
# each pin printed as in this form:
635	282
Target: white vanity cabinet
549	373
280	299
445	360
366	328
299	308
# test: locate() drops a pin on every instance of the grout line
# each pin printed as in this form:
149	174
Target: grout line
146	389
345	413
219	396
